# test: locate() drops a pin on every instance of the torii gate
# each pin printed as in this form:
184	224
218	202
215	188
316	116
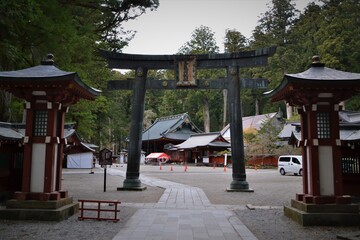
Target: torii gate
185	68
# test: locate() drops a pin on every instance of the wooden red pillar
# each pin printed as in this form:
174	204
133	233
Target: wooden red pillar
322	178
304	134
336	145
42	146
26	179
60	153
312	152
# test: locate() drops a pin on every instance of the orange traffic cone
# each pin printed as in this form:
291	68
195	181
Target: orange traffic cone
171	168
224	168
186	167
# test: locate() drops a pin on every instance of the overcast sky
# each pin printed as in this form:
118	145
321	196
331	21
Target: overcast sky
165	30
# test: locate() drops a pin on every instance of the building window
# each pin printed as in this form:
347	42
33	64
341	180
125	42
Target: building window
350	165
40	123
323	125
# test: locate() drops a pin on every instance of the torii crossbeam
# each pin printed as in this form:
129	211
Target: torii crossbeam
185	67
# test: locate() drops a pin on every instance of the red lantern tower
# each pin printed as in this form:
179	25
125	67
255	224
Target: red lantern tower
48	92
317	93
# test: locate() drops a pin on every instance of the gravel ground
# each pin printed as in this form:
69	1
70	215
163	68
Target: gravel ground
271	224
68	229
266	221
82	185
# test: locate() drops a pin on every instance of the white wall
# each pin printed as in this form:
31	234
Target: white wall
38	167
80	160
326	171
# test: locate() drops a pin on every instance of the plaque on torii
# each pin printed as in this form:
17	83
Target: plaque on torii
185	67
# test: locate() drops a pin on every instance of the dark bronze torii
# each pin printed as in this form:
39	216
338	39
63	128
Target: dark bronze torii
185	67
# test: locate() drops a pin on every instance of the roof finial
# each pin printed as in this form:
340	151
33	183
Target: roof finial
49	60
315	61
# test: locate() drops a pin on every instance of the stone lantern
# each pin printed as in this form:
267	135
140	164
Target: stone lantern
317	93
48	92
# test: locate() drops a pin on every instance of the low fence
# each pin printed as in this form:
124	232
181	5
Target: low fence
269	160
98	209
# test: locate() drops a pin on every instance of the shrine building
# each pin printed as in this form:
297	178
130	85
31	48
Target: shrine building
331	174
48	92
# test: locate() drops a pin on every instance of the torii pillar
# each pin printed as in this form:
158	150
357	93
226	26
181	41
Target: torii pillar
48	92
317	93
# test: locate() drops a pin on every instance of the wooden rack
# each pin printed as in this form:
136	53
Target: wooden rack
99	209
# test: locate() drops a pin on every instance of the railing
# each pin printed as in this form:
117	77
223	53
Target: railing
350	165
115	210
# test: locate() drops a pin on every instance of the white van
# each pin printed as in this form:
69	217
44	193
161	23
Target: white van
290	164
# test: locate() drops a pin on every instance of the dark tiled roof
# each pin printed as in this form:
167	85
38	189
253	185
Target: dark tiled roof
38	72
8	132
349	127
177	127
317	76
288	129
349	117
46	73
345	135
321	73
16	132
84	147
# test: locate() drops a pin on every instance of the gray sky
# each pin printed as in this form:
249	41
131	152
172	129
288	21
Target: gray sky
165	30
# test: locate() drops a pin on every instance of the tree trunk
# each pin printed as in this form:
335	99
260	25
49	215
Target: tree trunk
6	114
225	96
288	111
257	107
206	116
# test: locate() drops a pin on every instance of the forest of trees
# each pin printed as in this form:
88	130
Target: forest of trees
74	31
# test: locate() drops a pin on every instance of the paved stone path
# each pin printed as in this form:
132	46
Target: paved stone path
183	212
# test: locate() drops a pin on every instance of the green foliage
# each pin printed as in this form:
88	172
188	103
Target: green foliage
234	41
73	30
265	141
202	41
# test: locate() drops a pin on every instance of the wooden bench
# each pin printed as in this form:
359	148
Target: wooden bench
99	209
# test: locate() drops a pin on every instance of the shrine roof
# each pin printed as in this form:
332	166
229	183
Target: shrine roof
8	132
82	147
178	127
345	134
213	139
45	76
16	132
348	122
349	117
37	72
318	72
297	88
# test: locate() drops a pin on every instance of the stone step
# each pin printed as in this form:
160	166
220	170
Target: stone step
322	218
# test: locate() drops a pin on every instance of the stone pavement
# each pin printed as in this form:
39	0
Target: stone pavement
182	212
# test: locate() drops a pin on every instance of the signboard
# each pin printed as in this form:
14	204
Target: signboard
105	157
185	71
